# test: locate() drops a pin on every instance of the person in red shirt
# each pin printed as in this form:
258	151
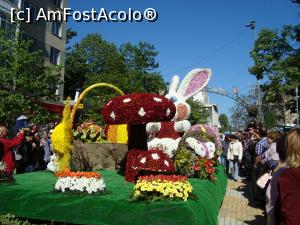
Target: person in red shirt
7	146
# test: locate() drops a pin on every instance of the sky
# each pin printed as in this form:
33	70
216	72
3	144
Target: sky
195	34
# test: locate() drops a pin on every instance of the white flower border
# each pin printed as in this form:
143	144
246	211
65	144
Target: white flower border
83	184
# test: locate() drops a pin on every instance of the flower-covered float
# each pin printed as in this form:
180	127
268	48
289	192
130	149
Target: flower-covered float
162	187
198	152
79	182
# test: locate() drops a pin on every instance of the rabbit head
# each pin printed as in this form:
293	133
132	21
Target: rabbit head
193	82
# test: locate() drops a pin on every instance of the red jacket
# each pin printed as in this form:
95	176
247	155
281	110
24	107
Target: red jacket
289	196
8	145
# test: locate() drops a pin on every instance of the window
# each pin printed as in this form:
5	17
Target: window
8	27
56	28
58	3
54	56
32	8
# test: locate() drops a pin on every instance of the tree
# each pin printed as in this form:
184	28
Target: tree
276	56
199	114
24	80
224	122
240	115
132	68
70	34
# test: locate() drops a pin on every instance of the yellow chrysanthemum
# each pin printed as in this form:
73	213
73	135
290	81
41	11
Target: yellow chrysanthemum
62	138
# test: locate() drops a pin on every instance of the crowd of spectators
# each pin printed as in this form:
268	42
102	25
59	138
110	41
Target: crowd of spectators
271	163
30	150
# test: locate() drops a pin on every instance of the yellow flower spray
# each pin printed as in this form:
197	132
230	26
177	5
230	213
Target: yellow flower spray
62	139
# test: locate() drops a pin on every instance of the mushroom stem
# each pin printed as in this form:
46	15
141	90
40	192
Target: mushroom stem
137	137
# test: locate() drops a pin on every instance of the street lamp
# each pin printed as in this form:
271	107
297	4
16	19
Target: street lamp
252	26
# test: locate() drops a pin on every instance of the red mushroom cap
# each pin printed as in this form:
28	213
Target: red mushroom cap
138	108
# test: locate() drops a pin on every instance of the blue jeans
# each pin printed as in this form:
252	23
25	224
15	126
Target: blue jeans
234	169
224	160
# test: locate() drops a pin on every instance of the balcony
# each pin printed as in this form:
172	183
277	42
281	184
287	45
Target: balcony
6	5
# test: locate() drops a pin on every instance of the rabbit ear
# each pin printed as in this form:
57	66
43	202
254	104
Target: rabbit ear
174	84
194	82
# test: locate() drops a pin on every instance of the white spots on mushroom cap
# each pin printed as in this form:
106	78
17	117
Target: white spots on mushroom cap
157	99
168	111
166	163
143	160
113	115
155	156
109	103
127	100
142	112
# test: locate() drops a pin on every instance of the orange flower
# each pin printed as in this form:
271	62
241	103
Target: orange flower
78	174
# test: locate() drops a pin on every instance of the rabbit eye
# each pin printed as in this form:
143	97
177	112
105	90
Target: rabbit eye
173	99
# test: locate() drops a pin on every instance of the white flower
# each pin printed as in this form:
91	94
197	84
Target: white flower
113	115
142	112
155	156
166	163
196	146
168	111
211	149
127	100
157	99
143	160
182	126
89	185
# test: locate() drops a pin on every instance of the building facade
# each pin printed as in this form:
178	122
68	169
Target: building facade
46	36
212	109
5	12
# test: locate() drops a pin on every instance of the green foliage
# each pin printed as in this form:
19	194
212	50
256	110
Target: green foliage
224	122
270	119
10	219
183	162
89	132
131	68
276	56
199	114
24	79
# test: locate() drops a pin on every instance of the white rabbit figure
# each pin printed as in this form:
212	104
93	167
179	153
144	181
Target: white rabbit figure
168	134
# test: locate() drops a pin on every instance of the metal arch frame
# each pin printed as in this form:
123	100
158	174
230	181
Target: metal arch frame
85	92
221	91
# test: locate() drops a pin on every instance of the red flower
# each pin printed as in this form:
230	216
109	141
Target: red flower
172	178
208	163
210	170
196	167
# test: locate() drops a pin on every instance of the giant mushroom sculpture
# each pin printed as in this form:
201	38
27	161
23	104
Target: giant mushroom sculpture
137	110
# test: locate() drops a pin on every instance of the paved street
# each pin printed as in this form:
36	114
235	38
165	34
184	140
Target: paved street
238	208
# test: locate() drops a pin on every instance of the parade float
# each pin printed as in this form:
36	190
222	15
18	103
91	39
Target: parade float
157	131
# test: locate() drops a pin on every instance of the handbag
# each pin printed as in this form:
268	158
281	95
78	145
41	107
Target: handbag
263	180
